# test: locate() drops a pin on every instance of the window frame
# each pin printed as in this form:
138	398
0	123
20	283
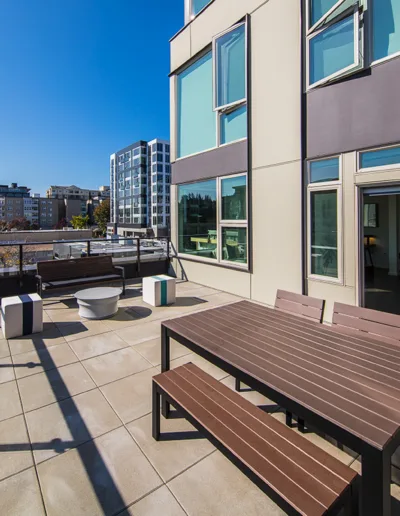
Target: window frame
358	61
380	168
220	223
325	187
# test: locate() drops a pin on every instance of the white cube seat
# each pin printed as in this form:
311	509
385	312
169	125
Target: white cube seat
159	290
21	315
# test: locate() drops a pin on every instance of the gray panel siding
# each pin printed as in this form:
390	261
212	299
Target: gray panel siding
358	113
218	162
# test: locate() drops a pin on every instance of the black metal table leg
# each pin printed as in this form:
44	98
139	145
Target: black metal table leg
375	499
237	385
165	364
156	413
289	419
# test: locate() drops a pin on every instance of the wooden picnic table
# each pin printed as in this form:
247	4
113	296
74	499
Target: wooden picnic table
345	386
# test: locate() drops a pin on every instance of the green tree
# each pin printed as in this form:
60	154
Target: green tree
102	215
80	222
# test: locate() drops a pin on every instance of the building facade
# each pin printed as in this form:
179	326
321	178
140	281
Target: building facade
285	148
75	193
140	188
14	190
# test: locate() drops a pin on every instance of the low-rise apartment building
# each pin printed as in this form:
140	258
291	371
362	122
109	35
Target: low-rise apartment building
285	148
76	193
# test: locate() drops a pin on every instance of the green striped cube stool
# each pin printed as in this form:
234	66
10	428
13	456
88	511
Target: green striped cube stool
159	290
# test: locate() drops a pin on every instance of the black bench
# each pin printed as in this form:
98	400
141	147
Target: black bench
299	476
54	274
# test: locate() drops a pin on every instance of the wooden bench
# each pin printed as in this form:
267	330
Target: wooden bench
379	325
305	306
299	476
54	274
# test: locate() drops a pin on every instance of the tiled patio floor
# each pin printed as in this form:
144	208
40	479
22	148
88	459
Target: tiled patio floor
75	423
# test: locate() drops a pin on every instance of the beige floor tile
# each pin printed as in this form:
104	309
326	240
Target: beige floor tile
255	397
4	349
111	466
208	367
45	339
151	350
6	370
215	486
33	362
74	421
83	329
10	404
64	316
330	446
97	345
45	388
160	502
196	292
15	449
20	495
113	366
170	457
221	298
131	396
140	332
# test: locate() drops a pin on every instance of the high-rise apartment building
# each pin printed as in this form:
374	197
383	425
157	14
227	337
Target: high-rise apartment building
285	148
140	188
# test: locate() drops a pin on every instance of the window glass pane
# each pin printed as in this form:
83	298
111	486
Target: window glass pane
198	5
231	66
234	125
386	28
234	198
197	219
319	8
325	170
324	235
380	158
196	118
332	50
234	244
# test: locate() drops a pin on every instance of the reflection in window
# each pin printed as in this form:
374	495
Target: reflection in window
319	8
234	198
324	233
234	125
324	170
386	28
197	219
380	158
234	244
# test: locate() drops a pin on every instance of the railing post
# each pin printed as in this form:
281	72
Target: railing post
88	248
21	262
138	254
168	257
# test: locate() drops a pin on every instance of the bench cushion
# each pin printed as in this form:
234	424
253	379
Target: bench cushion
302	474
77	281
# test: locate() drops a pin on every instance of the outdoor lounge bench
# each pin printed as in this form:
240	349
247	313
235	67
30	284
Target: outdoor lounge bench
54	274
299	476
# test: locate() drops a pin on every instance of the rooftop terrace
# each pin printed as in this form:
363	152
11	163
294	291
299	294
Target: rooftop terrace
75	422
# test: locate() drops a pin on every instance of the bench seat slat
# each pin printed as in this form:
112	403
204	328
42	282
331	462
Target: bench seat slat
303	475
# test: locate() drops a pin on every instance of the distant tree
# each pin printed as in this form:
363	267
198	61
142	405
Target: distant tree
34	226
62	223
101	215
20	224
80	221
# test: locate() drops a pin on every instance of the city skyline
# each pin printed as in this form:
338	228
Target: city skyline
69	102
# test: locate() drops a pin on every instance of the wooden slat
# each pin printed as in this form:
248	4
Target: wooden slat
273	452
305	306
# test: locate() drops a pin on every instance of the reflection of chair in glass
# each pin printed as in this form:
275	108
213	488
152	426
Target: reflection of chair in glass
232	252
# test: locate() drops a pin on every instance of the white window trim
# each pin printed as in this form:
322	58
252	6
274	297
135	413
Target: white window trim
321	187
344	71
380	168
219	224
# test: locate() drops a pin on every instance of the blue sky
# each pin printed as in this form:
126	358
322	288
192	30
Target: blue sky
80	79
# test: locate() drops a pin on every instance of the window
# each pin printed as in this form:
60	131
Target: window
386	28
167	147
159	147
154	168
234	125
380	158
136	151
196	123
154	158
324	206
167	169
159	167
212	219
160	157
334	43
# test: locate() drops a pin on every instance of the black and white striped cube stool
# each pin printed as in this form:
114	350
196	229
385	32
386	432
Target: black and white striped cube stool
21	315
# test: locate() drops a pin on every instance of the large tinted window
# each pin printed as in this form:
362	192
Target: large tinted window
233	196
197	219
196	118
319	8
234	125
386	28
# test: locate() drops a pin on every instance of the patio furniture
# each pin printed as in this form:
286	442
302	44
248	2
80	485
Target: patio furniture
21	315
54	274
366	322
159	290
297	474
346	386
98	303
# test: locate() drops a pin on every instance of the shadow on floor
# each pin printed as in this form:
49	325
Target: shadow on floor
189	301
